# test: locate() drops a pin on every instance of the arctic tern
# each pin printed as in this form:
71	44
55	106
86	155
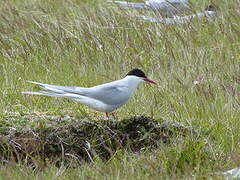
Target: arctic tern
105	97
164	7
209	14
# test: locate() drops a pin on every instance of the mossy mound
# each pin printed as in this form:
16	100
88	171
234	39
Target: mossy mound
83	140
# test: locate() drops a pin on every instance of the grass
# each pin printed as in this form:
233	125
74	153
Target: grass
85	43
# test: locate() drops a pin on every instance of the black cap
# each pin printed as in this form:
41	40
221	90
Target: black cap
136	72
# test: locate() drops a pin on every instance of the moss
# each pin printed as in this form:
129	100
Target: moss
84	140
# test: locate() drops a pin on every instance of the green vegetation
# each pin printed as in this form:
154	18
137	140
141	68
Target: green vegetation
85	43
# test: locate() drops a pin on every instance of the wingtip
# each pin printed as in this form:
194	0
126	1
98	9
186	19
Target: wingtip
37	83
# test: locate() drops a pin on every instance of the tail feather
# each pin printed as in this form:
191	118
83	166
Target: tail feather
53	94
43	93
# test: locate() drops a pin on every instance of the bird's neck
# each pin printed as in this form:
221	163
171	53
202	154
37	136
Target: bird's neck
132	81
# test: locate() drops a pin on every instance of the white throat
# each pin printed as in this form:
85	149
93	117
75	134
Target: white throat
133	81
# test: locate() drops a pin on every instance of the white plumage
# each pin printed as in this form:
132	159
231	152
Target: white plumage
105	97
164	7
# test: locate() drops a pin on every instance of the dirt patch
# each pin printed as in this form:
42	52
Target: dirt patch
83	140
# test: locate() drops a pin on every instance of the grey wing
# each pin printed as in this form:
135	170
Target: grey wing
109	94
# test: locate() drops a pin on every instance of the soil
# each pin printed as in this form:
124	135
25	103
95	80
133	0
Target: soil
83	140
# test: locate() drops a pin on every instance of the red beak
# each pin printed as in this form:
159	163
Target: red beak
149	81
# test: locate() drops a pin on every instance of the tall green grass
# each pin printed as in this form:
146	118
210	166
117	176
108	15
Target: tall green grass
85	43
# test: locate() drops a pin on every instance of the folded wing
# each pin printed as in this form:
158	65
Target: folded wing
110	93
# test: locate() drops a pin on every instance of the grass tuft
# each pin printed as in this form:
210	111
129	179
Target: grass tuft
86	43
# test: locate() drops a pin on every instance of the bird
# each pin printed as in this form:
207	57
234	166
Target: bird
209	14
166	8
104	97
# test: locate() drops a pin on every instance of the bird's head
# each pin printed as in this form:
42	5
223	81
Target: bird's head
139	74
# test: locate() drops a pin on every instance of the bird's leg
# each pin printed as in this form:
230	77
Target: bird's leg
107	115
